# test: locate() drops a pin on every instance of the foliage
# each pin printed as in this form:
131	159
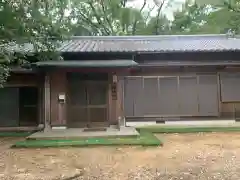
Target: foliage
158	26
189	19
106	17
31	25
207	19
115	17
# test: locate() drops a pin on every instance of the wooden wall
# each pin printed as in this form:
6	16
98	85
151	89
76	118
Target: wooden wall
58	86
29	79
227	110
20	79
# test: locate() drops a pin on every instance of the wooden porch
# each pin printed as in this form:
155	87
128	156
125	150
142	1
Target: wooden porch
76	133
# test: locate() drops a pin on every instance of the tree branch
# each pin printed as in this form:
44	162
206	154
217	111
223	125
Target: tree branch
106	15
123	3
88	20
136	20
61	9
98	18
149	13
158	14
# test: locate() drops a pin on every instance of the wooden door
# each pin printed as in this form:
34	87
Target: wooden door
77	104
87	104
97	103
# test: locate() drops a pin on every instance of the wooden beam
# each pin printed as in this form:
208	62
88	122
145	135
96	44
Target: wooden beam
47	106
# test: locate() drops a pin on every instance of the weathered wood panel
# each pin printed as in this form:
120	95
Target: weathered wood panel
188	94
208	95
168	96
17	80
28	114
120	106
230	87
57	86
177	71
227	110
146	96
237	110
77	114
88	99
129	96
111	110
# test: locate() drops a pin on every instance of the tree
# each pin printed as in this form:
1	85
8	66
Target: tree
207	19
106	17
116	17
32	24
190	19
158	25
157	21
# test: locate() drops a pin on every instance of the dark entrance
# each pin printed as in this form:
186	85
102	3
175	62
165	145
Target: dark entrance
18	106
87	99
28	106
9	111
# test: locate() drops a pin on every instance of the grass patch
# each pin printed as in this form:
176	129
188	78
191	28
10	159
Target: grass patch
15	134
144	139
188	129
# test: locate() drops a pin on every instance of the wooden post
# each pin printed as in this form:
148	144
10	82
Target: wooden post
40	105
114	96
120	113
47	105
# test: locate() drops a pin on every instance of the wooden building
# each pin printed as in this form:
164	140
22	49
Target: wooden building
137	78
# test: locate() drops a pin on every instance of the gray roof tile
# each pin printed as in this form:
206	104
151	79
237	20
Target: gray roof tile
162	43
151	43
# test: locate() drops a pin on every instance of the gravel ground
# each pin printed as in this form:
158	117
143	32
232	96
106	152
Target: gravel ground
199	156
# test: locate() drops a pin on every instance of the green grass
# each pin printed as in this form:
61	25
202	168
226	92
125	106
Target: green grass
145	139
189	129
15	134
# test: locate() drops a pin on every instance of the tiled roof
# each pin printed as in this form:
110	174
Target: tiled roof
162	43
165	43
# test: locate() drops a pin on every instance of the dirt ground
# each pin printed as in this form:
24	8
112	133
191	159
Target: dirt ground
199	156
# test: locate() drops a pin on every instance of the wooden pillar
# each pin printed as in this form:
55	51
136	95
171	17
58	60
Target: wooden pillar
116	109
114	97
40	104
46	101
112	107
120	87
110	113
